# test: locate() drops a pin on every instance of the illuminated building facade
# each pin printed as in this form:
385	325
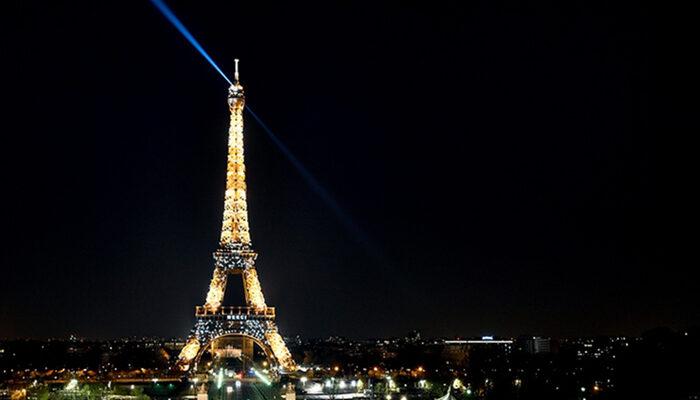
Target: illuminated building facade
254	322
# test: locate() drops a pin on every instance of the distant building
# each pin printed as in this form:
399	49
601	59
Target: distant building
537	345
486	350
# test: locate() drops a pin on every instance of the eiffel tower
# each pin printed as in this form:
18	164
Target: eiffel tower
254	322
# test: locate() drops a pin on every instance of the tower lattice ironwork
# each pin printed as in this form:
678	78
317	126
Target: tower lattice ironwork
255	321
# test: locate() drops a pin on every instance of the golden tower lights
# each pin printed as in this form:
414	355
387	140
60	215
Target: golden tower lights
254	322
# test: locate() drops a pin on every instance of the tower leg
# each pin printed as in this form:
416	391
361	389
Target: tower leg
188	353
279	349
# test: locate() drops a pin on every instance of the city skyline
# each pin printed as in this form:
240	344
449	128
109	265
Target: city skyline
501	169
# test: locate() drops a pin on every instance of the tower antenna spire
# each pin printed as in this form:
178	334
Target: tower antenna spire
235	74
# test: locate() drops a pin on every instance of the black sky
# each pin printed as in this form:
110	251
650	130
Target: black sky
500	156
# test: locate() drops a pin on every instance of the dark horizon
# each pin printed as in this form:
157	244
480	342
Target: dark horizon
502	159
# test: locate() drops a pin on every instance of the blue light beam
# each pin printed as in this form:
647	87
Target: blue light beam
327	198
168	13
315	186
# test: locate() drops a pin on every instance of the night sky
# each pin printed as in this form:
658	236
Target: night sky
501	159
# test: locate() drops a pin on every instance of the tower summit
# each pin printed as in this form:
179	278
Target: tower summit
253	324
235	231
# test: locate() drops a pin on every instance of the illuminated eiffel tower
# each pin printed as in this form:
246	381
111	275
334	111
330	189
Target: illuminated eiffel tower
253	323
